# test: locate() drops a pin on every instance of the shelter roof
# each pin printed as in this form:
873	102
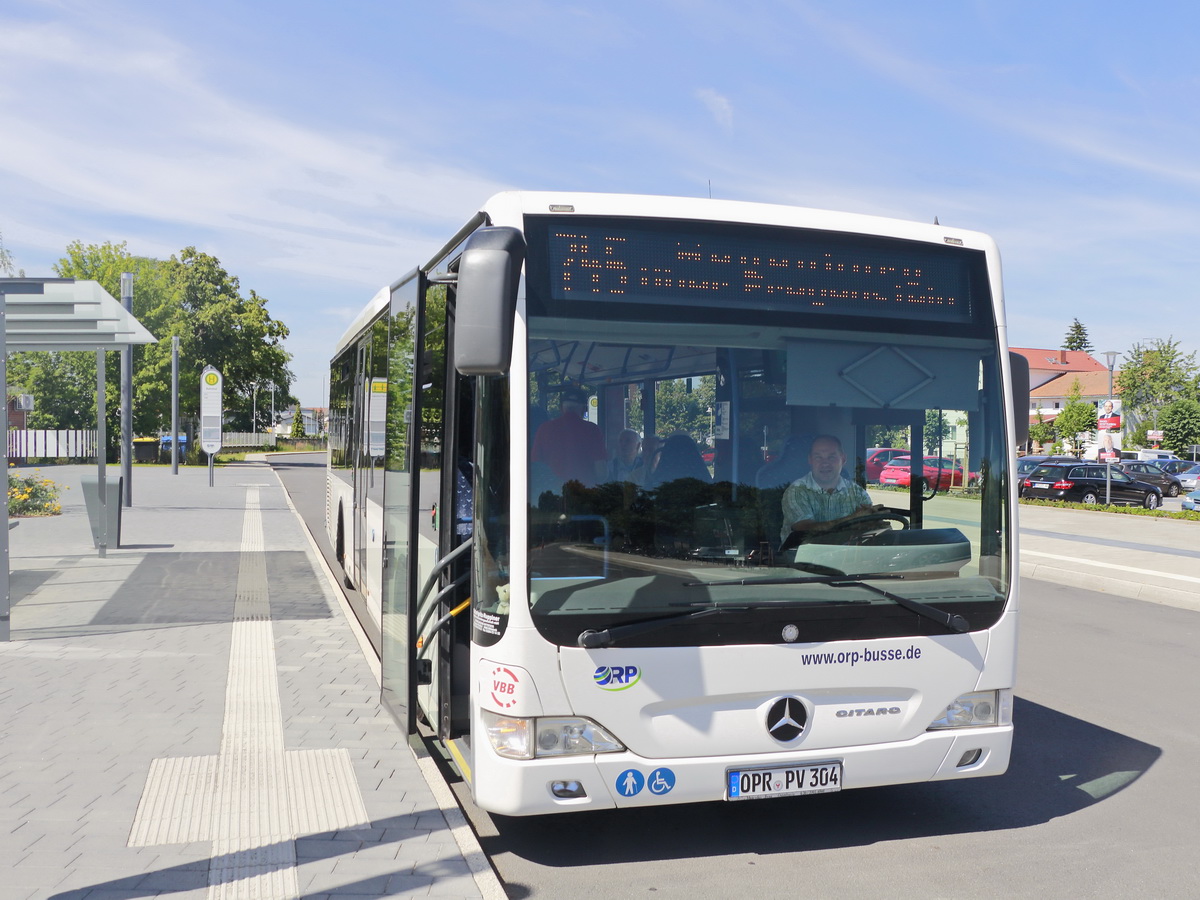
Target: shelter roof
66	314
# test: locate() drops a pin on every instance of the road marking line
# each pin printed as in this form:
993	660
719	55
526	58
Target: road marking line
1103	565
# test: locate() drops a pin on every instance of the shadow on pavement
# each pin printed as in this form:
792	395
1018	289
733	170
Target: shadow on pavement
1059	766
162	590
407	879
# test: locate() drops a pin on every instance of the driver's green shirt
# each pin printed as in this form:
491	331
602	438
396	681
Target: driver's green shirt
805	499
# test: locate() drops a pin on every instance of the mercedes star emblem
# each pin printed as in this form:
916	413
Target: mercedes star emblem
786	719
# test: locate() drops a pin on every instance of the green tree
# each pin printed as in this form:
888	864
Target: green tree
683	404
63	386
1138	436
1077	338
189	296
1155	374
1077	417
887	436
7	267
1180	424
297	425
935	431
219	327
1043	432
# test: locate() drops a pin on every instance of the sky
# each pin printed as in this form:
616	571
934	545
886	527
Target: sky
320	150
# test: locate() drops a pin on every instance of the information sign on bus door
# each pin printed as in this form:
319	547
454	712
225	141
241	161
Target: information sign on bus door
211	412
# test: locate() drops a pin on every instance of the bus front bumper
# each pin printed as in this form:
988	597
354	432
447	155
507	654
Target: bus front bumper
605	781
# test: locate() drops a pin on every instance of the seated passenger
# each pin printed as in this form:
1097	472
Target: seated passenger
679	458
626	464
785	468
823	500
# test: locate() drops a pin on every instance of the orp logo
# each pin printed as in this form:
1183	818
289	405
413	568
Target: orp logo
617	678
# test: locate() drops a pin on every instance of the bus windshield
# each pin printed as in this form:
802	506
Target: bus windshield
811	464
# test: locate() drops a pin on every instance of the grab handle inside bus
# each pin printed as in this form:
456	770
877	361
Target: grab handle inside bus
489	274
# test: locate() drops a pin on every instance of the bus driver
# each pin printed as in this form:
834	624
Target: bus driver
823	500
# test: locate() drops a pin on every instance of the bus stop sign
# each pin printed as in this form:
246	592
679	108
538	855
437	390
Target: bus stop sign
211	412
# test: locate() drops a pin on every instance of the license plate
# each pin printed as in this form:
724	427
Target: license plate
1041	484
783	781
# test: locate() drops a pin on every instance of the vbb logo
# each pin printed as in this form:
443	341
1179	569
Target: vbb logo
617	678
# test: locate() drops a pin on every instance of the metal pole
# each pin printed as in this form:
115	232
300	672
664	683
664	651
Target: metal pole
5	609
127	396
101	450
175	405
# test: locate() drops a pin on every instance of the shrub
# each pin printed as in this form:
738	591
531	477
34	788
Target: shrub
32	495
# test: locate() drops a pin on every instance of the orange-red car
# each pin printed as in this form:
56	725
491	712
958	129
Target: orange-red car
939	471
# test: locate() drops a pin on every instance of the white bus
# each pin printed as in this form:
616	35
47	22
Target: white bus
582	631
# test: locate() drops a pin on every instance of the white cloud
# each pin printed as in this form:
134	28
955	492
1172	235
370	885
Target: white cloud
138	146
718	106
140	135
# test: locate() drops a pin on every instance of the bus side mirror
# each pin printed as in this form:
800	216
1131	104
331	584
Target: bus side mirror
1019	366
489	273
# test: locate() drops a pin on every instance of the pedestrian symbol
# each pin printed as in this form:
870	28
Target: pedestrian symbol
630	783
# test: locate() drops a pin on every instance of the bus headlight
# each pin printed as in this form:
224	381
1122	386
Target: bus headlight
975	710
516	737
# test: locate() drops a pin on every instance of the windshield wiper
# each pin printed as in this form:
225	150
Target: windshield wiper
590	639
953	621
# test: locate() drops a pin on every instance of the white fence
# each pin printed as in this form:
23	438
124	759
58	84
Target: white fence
231	439
47	444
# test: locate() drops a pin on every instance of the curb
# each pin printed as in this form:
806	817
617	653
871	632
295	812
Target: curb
1181	598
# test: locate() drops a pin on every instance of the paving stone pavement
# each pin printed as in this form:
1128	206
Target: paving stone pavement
193	716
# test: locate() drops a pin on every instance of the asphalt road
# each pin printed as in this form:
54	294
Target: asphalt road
1100	800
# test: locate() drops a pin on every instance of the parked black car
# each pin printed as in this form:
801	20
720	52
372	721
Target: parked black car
1026	465
1085	483
1150	471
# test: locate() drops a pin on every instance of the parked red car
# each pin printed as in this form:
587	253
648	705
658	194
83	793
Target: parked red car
877	458
939	471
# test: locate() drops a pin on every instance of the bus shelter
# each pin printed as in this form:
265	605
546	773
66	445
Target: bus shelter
63	314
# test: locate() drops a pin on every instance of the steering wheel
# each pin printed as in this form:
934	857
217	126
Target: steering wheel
857	522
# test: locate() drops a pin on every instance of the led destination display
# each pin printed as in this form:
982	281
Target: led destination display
765	268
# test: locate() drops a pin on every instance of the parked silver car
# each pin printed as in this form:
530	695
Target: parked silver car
1187	477
1144	470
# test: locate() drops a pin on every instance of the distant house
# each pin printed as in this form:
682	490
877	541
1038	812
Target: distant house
313	417
1052	375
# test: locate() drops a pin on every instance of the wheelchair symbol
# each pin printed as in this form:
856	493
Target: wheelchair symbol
660	782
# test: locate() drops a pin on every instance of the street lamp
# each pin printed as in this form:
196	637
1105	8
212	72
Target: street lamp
1111	356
